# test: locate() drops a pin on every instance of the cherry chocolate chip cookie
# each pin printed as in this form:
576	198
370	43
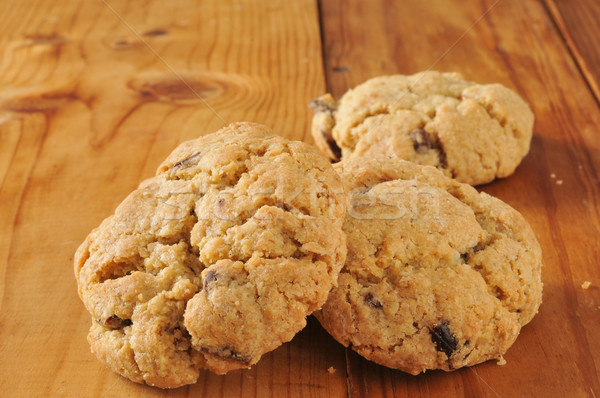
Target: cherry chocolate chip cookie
473	132
216	260
438	276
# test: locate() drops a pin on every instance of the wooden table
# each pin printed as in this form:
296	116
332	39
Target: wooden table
94	94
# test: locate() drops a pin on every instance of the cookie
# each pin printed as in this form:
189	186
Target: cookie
438	276
216	260
473	132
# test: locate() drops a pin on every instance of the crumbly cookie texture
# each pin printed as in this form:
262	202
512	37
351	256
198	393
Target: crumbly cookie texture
473	132
216	260
438	276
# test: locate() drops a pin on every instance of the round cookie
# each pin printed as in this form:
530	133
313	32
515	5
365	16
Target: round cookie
474	133
437	276
216	260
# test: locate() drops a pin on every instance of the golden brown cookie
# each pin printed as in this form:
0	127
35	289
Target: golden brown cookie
473	132
216	260
438	276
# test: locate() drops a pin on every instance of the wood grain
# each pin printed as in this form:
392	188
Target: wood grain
94	94
578	22
91	101
515	43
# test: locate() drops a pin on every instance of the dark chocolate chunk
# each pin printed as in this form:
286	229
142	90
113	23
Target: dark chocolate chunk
236	356
181	338
187	161
372	301
443	339
421	141
114	322
466	255
228	353
318	105
282	205
335	149
326	105
210	277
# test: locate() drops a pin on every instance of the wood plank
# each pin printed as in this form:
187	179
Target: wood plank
517	44
578	21
90	103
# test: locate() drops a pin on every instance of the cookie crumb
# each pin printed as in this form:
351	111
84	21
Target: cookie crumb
586	285
501	361
331	370
552	175
559	182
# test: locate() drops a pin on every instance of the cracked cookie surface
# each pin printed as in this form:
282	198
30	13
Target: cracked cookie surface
473	132
216	260
437	276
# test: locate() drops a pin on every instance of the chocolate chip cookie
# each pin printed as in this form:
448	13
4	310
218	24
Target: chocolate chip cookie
216	260
473	132
438	276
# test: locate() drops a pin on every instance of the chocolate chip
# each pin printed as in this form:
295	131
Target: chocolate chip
443	339
210	277
181	339
372	301
239	357
421	141
318	105
442	159
228	353
282	205
466	255
114	322
187	161
335	149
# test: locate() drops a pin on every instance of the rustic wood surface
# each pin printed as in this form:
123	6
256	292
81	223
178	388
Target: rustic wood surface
579	24
94	94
